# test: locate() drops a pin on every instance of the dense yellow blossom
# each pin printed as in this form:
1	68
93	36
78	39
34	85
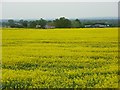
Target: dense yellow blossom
60	58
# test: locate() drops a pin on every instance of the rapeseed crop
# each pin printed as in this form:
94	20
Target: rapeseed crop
60	58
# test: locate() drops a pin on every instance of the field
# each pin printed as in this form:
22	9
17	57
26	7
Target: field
60	58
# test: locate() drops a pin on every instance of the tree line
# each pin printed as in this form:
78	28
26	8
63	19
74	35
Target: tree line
61	22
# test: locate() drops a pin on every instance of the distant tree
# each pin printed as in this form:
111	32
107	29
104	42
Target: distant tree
62	23
77	20
32	24
75	24
24	23
50	23
41	22
11	23
5	24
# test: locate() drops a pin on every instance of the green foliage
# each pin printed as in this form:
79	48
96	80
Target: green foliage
62	23
32	24
41	22
11	23
76	23
24	23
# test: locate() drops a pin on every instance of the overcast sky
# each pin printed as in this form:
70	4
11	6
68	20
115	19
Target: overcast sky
51	10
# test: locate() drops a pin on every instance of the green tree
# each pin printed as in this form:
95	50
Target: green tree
32	24
24	23
62	23
51	23
41	22
11	23
76	23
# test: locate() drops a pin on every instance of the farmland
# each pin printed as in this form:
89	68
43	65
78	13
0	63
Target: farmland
60	58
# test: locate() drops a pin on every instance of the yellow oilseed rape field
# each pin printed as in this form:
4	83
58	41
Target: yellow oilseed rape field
60	58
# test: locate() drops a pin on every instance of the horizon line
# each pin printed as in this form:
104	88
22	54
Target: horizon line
65	17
